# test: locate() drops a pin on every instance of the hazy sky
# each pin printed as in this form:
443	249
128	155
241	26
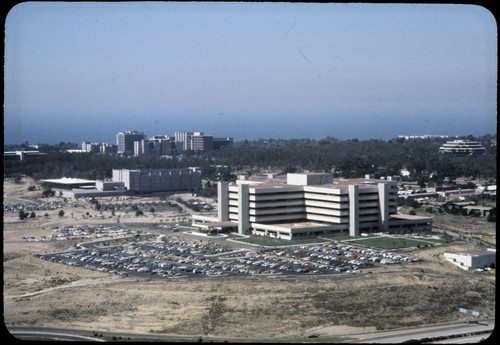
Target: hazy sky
83	71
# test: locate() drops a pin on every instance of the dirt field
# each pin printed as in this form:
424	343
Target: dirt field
40	293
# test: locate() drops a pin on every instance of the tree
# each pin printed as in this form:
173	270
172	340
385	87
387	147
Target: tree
32	214
61	213
23	215
46	193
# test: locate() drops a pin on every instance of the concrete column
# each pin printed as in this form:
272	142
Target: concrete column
383	204
243	209
223	201
353	210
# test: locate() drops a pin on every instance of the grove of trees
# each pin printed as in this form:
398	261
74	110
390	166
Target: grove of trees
345	158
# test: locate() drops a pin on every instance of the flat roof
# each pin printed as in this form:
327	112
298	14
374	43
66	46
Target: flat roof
68	180
300	225
336	184
473	207
400	216
476	252
221	224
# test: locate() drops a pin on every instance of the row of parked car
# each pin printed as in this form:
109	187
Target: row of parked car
85	231
167	256
35	206
343	257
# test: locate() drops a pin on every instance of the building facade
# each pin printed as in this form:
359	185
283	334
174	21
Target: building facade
159	180
313	204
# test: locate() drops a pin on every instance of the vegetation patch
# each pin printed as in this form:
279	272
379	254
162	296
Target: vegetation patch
276	242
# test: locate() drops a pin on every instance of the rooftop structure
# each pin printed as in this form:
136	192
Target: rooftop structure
313	204
68	182
22	155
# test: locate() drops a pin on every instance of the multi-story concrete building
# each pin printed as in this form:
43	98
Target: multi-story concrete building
183	140
159	180
462	147
99	147
221	142
155	146
197	141
125	141
201	143
312	204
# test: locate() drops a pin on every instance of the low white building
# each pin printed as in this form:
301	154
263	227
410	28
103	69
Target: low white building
473	259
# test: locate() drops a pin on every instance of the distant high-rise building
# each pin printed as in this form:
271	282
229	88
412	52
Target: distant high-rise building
155	146
183	140
200	142
125	140
221	142
99	147
90	147
197	141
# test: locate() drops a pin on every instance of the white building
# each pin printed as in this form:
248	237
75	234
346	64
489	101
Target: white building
312	204
462	147
472	259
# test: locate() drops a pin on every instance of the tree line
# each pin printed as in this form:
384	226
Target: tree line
345	158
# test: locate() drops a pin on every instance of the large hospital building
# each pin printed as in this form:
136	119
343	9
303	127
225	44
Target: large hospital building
311	204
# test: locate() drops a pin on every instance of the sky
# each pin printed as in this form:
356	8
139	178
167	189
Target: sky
84	71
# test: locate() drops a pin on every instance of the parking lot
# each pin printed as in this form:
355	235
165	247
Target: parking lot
118	250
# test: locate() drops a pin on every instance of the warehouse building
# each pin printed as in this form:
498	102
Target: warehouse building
81	188
313	204
151	181
473	259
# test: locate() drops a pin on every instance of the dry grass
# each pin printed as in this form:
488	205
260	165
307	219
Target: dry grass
41	293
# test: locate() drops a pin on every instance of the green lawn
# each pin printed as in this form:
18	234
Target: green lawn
275	242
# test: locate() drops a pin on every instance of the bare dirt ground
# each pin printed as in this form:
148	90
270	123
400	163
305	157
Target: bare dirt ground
41	293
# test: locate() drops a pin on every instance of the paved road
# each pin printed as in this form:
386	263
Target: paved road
402	335
387	337
59	335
